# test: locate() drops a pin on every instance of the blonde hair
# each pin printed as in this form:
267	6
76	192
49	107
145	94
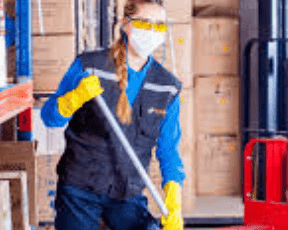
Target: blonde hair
118	52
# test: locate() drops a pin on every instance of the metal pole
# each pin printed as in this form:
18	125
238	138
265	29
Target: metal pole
99	99
3	57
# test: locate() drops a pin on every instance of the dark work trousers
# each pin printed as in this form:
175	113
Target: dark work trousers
78	209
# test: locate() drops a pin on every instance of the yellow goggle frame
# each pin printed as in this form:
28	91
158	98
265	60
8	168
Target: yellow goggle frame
140	24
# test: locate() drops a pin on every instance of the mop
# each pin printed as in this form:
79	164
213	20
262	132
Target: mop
117	129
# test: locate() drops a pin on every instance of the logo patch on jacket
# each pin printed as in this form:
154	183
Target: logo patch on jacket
157	111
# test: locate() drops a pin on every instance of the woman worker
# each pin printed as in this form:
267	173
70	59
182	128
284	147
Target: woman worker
96	179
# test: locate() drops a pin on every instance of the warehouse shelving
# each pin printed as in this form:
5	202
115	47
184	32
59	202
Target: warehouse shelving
16	98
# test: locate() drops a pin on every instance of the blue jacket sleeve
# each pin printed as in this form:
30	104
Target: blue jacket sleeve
167	153
49	112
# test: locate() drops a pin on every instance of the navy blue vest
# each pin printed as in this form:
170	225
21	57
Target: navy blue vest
94	158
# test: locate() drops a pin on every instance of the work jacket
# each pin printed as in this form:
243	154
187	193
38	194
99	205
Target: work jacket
94	158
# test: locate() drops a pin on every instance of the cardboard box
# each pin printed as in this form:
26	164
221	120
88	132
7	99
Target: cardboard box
52	56
58	16
216	46
19	198
41	173
5	206
178	44
186	150
218	165
217	104
46	186
210	8
177	11
19	156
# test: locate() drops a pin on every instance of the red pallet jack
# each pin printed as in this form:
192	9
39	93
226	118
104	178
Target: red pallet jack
272	213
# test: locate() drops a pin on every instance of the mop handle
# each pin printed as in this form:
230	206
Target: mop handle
132	154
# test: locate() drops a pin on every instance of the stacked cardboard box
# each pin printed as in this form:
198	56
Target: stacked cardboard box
218	166
53	51
217	104
217	96
57	17
216	8
52	56
41	177
46	186
177	11
18	156
216	46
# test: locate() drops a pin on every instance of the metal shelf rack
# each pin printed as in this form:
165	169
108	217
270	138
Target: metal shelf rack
16	99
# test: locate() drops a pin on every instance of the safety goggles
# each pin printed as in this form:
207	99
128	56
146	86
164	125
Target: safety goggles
145	24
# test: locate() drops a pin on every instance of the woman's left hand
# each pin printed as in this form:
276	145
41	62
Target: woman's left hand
174	220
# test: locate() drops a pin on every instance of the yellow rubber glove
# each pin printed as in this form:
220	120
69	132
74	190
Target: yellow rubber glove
88	88
173	201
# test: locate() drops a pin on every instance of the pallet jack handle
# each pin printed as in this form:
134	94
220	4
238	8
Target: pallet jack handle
99	99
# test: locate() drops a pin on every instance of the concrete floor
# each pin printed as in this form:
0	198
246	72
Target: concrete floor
52	228
209	206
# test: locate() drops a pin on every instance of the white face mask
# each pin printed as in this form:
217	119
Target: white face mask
145	42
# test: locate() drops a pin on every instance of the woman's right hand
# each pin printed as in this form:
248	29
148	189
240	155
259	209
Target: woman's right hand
88	88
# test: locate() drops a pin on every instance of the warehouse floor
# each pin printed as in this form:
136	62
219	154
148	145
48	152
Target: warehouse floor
209	207
52	228
218	206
